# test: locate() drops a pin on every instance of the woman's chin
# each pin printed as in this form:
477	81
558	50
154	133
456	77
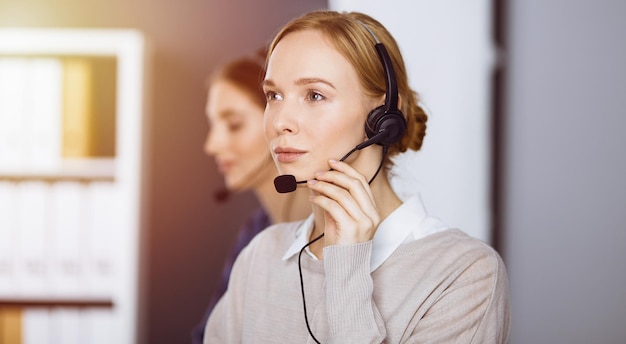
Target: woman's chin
235	185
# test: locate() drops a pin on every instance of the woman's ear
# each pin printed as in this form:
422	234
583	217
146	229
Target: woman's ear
382	101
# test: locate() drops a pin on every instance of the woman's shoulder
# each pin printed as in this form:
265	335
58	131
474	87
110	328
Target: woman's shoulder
455	246
453	237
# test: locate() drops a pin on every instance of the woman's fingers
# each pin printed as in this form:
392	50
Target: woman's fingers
349	171
346	196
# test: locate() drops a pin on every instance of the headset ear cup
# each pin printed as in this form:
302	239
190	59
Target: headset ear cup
371	124
392	122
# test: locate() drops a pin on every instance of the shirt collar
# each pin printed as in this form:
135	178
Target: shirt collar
302	234
407	222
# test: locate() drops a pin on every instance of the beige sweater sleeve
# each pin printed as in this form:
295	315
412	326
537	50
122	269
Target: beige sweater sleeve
352	313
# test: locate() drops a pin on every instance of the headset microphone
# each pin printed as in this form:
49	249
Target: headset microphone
286	183
221	195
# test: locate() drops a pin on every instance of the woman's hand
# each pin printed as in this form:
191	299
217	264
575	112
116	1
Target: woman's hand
351	215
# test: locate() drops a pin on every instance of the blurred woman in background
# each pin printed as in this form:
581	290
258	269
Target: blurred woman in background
234	110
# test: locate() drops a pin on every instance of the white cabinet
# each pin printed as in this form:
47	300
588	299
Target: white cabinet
71	150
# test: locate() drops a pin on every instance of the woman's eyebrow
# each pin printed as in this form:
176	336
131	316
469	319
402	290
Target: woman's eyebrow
306	81
268	82
224	115
300	82
228	114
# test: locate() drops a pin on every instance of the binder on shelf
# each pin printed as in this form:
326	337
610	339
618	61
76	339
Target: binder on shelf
12	71
8	232
33	238
66	326
30	113
99	325
77	108
10	325
103	238
42	113
67	246
36	326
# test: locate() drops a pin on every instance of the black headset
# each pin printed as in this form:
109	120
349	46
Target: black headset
385	125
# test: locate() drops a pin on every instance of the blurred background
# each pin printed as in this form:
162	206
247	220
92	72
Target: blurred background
544	186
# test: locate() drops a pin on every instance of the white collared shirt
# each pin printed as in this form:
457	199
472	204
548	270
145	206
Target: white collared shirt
407	223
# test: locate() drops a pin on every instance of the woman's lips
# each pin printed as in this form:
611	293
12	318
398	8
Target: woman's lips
225	166
288	154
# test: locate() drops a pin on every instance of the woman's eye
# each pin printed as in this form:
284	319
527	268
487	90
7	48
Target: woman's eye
235	126
271	95
315	96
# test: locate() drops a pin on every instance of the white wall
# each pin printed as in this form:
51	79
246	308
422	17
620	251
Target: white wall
565	188
446	46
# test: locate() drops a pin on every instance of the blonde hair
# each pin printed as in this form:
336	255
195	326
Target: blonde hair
347	33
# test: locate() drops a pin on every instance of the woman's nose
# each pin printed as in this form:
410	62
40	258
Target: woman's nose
214	142
284	119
